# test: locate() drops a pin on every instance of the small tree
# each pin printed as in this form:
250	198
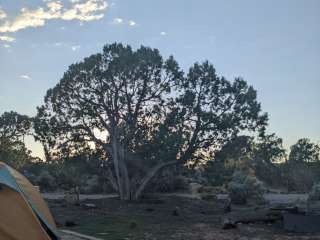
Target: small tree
304	151
268	153
13	128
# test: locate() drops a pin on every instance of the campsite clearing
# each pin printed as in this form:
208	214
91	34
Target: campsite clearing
161	218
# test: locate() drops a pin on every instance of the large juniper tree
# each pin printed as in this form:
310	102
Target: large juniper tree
143	113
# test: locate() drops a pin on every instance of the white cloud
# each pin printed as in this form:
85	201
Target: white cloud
2	14
117	20
88	10
132	23
6	38
75	47
54	6
6	45
163	33
25	76
58	44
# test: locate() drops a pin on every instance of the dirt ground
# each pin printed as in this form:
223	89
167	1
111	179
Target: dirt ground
160	218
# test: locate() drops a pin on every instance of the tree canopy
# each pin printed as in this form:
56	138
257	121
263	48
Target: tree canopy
304	151
13	128
144	113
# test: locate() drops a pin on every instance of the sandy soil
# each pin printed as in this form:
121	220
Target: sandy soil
272	198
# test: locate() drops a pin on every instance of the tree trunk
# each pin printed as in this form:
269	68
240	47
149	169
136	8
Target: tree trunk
125	178
149	176
115	158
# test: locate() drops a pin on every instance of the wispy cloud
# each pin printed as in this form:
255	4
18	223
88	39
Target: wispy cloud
163	33
117	20
132	23
58	44
25	76
75	48
6	38
2	13
6	45
83	11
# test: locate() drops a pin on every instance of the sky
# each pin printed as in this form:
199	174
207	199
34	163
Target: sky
273	44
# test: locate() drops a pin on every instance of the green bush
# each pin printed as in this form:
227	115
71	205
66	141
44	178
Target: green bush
168	183
244	187
92	185
46	181
314	194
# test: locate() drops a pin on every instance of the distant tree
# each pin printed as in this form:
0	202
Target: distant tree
144	114
13	128
234	155
304	151
268	155
303	166
14	153
269	149
247	154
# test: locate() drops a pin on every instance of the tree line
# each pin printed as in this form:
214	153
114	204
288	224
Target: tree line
141	114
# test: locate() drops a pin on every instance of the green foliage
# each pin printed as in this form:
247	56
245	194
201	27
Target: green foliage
15	154
243	187
314	194
300	177
261	155
267	154
85	171
144	113
302	169
304	151
168	182
234	155
46	181
13	127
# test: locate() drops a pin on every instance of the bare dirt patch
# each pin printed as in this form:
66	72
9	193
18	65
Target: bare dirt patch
161	218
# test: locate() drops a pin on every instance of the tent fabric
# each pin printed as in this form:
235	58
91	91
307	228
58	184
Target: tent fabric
23	212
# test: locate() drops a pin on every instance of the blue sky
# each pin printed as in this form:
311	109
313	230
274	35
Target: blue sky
273	44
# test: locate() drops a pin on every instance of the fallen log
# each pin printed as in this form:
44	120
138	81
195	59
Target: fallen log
286	209
246	217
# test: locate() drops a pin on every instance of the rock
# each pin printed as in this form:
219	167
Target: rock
133	225
150	209
89	205
71	198
70	223
313	207
176	211
228	224
227	206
